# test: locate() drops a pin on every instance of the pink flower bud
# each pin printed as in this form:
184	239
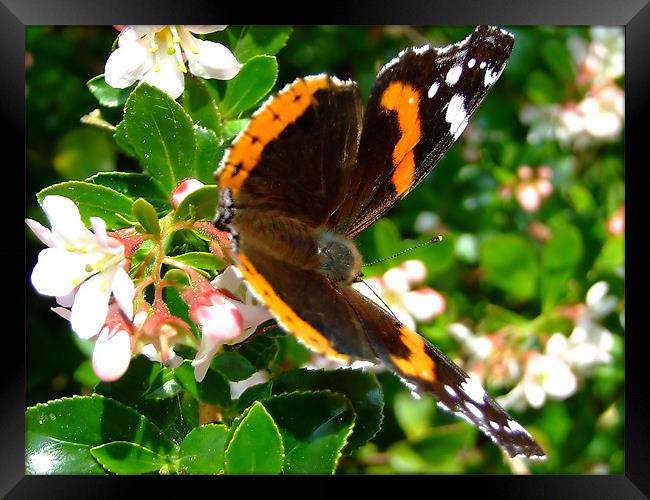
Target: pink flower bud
525	172
528	197
185	187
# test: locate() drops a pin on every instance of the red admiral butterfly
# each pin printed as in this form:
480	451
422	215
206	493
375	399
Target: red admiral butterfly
309	173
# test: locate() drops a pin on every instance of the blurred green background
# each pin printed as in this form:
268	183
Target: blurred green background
530	201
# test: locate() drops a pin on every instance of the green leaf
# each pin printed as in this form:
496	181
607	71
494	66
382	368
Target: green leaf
147	217
254	80
509	263
61	433
314	428
202	450
122	457
560	256
161	134
199	205
233	127
106	95
233	366
256	445
201	260
134	186
261	351
208	154
214	389
200	104
133	384
612	256
361	388
253	393
256	40
93	201
81	152
122	140
414	415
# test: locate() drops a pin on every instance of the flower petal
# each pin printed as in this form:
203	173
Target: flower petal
123	291
58	272
168	77
41	232
213	60
112	354
91	305
64	217
127	64
204	29
229	280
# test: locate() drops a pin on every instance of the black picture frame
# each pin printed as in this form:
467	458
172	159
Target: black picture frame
634	15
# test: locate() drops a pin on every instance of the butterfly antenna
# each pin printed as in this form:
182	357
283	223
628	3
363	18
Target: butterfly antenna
435	239
360	280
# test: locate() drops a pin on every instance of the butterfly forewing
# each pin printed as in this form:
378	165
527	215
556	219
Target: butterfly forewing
419	105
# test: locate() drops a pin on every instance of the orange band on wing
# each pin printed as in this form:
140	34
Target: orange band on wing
283	312
418	364
405	100
266	125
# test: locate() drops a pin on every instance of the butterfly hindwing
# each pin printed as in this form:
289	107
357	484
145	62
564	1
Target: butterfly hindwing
427	370
419	105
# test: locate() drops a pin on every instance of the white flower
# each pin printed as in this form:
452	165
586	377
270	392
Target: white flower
81	268
154	54
394	288
184	188
546	376
476	346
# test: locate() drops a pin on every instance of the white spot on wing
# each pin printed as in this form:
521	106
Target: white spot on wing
475	411
471	63
456	115
433	89
516	427
453	75
494	425
482	65
491	76
473	389
451	391
421	50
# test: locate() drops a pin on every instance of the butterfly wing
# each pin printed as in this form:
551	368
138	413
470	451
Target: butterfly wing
419	105
428	370
295	156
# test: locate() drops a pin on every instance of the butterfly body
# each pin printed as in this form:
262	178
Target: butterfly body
311	171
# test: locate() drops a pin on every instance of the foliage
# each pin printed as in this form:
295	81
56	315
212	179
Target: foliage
503	268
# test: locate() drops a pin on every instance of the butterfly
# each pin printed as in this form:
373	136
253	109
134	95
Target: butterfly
313	169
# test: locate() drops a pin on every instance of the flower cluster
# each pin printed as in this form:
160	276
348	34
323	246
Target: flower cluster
158	56
88	274
597	115
394	290
558	369
532	186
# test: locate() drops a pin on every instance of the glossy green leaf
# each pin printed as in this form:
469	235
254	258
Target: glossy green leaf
201	260
233	366
414	415
83	152
256	445
200	104
146	215
199	205
202	451
122	457
214	388
106	95
61	433
254	80
314	427
361	388
161	134
510	263
93	201
134	186
260	351
208	154
256	40
134	384
612	256
122	140
233	127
